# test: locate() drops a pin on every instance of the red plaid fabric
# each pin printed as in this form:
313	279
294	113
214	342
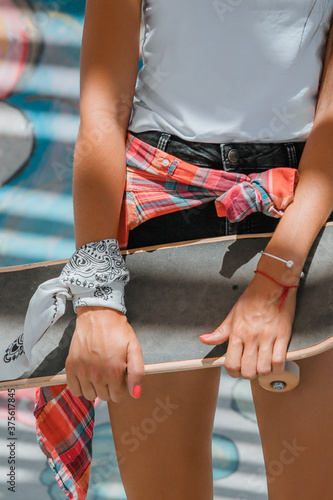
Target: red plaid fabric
64	425
157	183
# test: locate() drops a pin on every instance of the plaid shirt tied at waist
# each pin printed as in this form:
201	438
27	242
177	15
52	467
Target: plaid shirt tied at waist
157	183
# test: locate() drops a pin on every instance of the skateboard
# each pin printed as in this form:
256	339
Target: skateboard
176	293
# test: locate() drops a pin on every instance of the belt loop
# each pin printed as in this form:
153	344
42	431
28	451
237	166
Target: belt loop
163	141
292	156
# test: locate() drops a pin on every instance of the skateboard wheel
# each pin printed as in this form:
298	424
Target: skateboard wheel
284	382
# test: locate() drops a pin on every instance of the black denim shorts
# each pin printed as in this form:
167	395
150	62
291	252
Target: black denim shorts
202	221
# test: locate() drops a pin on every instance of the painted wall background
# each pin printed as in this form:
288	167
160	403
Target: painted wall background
39	119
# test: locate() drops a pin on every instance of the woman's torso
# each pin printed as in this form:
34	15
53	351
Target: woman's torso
231	70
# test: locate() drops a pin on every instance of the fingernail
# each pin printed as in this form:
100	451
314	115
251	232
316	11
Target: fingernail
205	336
137	391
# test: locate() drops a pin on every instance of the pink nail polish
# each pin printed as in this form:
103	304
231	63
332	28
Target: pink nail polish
137	391
205	336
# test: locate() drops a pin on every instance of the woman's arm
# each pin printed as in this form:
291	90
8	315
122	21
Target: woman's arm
314	194
258	332
108	69
104	346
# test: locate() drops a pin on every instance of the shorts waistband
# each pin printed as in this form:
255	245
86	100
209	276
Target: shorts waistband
245	157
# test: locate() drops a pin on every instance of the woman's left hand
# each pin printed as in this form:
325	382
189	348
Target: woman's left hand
257	331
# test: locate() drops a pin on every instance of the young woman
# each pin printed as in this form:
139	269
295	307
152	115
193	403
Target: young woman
214	74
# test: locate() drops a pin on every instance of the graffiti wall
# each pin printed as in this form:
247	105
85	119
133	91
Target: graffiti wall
39	118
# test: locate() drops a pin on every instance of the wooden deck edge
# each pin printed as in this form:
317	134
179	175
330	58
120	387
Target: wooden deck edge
151	248
165	367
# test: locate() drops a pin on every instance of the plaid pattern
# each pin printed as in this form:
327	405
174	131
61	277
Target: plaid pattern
157	183
64	426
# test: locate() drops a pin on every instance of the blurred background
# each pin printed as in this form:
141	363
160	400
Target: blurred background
39	119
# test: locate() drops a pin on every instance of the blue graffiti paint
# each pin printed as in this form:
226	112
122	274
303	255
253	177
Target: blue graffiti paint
105	481
36	213
225	456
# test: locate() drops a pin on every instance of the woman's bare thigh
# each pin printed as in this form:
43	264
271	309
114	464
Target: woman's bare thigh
163	439
296	433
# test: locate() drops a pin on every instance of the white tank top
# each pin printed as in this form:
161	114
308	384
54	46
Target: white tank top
231	70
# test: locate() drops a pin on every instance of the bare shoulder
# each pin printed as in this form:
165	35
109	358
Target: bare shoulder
109	54
106	12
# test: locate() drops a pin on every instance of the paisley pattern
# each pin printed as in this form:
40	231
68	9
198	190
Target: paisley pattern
96	275
14	350
99	262
103	292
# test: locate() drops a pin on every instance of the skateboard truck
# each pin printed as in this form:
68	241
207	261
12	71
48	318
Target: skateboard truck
279	385
283	382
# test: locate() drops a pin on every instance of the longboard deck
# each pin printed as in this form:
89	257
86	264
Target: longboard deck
176	293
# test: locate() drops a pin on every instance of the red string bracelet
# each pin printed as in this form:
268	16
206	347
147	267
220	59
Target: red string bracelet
286	288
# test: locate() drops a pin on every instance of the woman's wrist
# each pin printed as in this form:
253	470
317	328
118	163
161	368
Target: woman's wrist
80	310
270	292
280	271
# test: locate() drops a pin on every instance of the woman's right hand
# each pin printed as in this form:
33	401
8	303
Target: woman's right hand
105	357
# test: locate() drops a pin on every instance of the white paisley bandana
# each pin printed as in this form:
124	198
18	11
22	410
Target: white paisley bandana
94	276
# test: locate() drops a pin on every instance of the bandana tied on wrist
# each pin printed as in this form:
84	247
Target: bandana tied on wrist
94	276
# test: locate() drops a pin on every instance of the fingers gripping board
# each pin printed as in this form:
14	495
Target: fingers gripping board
176	293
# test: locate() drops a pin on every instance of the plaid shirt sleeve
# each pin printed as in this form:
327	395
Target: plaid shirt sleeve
64	426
